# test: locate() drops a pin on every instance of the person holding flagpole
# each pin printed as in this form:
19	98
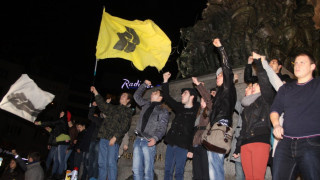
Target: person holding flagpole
113	128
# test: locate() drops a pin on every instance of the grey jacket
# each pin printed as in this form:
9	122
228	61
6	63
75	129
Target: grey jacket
34	172
158	121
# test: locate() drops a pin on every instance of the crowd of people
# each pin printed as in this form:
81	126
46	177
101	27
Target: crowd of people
278	126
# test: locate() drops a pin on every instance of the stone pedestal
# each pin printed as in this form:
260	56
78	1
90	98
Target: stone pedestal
125	162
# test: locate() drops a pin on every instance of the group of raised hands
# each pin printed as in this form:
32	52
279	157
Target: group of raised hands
255	56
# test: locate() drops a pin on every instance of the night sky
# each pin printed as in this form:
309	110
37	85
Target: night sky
56	39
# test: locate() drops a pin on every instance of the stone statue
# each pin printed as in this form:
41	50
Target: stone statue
275	28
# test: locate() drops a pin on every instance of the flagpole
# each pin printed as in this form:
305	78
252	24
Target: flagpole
94	77
95	71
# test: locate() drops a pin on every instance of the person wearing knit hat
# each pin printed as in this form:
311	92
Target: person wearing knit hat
223	106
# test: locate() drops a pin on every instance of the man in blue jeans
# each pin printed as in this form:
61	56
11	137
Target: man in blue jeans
151	128
299	147
113	128
180	135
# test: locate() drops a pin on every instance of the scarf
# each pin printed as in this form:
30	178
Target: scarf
147	114
247	100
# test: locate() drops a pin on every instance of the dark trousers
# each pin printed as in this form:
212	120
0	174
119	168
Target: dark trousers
295	156
200	165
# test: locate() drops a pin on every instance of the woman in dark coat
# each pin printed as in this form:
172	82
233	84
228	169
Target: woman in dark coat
12	171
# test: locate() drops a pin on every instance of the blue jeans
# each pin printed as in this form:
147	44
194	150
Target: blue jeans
61	153
50	158
78	159
108	156
239	171
297	155
66	159
216	165
93	159
200	168
175	161
143	159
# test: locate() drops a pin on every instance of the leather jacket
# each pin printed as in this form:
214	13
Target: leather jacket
226	97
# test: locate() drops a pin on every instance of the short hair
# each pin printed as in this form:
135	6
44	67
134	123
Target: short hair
129	96
81	122
160	91
310	56
213	89
278	61
35	156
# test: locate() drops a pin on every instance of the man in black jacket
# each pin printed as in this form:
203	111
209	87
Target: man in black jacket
223	106
180	135
96	121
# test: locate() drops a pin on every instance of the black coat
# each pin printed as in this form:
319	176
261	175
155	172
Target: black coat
226	97
256	125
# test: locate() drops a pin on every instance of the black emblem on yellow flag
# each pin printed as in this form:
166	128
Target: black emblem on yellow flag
127	41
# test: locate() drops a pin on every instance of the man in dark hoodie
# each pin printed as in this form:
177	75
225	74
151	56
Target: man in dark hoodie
180	135
94	144
59	136
151	127
82	146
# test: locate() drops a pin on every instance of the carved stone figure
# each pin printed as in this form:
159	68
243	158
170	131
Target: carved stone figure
275	28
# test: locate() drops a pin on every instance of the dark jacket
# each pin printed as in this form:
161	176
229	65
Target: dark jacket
182	127
256	125
226	96
59	126
73	133
84	138
204	119
34	172
117	121
97	122
10	174
156	126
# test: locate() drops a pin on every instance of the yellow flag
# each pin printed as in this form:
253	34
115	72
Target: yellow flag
141	42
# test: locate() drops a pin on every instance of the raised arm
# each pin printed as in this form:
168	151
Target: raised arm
138	94
91	116
265	86
203	92
103	106
226	66
248	77
166	96
273	77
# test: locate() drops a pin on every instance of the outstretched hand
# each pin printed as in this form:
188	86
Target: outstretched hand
147	82
256	55
93	90
195	81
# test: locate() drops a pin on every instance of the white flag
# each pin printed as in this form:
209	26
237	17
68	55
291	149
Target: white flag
26	99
